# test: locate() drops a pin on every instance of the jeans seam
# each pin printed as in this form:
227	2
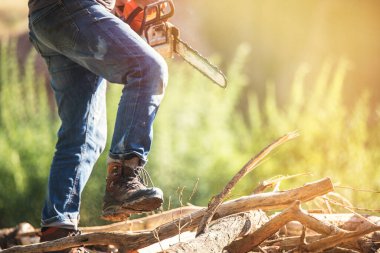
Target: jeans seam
83	151
131	125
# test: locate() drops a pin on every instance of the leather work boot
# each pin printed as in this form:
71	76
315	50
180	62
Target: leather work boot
127	192
54	233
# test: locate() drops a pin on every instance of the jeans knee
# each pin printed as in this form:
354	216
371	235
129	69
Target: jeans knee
156	70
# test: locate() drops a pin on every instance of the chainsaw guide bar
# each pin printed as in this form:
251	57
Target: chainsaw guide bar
200	63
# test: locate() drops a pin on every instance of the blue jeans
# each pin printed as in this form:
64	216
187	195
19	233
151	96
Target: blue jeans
84	45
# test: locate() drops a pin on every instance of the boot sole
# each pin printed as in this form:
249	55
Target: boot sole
143	205
123	212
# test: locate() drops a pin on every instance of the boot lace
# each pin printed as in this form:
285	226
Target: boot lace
144	176
134	180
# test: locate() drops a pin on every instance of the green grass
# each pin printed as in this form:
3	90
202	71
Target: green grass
202	132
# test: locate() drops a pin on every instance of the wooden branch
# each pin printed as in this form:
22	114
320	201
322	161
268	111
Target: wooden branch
130	241
294	212
346	221
221	233
348	240
336	239
263	185
342	250
217	200
147	223
267	230
287	243
276	200
363	244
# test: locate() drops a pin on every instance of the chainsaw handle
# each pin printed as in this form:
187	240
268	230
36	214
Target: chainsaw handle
162	11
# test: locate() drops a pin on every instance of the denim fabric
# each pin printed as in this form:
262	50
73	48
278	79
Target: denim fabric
84	45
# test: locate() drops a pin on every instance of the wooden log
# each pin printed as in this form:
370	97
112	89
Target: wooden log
222	232
130	241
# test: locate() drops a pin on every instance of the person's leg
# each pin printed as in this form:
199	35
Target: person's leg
85	33
110	48
80	97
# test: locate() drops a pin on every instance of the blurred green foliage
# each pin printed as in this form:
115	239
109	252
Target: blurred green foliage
27	136
200	133
285	34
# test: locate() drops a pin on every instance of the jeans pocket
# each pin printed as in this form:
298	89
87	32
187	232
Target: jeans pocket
56	28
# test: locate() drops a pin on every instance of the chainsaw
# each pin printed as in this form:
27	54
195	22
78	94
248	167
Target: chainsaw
151	23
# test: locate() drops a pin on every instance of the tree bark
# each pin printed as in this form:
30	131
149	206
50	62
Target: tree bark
222	232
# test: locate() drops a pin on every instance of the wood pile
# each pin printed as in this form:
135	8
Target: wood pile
235	226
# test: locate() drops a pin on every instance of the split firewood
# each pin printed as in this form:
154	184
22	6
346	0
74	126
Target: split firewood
217	200
130	241
222	232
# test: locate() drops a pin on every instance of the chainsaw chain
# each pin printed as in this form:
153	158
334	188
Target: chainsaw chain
200	57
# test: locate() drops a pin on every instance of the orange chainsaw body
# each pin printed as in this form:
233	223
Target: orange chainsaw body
137	21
